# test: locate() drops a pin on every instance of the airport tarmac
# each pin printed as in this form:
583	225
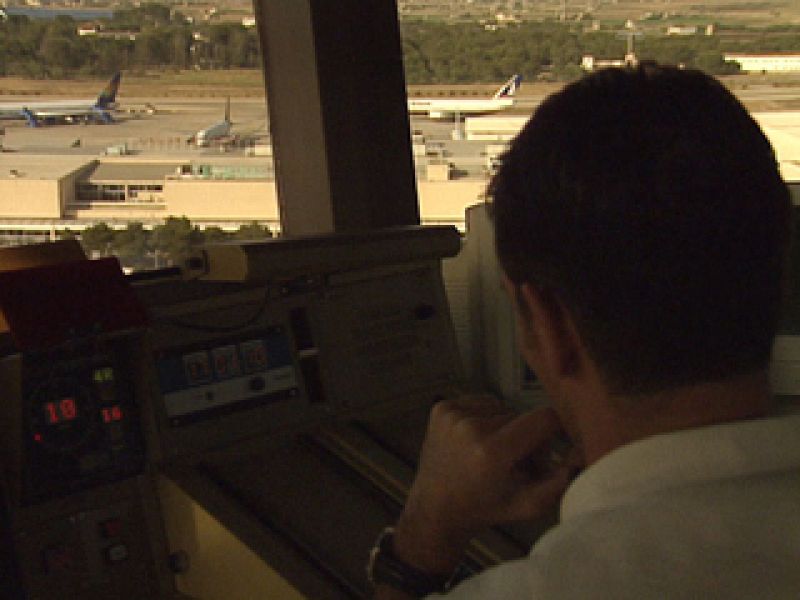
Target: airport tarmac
167	129
176	120
173	119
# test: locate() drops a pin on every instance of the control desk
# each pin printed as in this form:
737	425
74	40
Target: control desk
282	387
319	329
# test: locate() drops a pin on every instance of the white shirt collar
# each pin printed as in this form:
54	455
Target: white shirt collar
682	458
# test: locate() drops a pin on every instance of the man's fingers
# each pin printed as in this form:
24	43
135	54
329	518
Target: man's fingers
534	500
485	413
527	432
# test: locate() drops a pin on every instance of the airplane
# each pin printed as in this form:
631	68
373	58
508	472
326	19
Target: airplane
447	108
37	113
217	131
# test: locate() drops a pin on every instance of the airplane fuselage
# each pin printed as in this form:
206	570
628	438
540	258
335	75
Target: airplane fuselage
67	110
37	111
437	108
215	132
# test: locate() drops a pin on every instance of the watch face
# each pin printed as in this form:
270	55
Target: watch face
384	568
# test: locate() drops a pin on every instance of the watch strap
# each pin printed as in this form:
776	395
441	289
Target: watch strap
385	568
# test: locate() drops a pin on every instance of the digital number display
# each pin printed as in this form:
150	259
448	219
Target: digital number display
226	362
198	368
227	375
63	411
255	356
103	375
112	413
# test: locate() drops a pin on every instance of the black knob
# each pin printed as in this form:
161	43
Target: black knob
257	384
423	312
179	562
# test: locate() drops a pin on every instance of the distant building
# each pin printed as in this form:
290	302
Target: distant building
493	129
96	30
681	30
781	128
590	63
73	192
765	63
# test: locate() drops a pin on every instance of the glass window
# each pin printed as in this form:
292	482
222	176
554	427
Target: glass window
136	113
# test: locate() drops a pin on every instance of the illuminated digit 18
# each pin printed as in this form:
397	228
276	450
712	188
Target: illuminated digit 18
68	409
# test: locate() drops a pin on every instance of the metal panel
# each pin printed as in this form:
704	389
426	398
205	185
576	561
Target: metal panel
338	116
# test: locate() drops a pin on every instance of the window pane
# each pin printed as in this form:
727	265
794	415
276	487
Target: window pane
140	130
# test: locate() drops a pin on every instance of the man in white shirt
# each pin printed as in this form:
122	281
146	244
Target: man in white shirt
642	226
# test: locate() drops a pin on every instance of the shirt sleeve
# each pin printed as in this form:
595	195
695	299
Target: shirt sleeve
508	581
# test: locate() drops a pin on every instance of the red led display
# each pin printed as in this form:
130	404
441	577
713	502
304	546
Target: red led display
65	409
112	413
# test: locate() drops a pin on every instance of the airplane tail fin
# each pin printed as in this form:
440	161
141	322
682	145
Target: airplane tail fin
108	95
509	88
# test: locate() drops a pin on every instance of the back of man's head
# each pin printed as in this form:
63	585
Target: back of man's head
650	203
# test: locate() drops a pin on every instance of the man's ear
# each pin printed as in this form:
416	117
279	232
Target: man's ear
553	330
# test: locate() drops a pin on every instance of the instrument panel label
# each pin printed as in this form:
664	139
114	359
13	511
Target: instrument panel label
223	377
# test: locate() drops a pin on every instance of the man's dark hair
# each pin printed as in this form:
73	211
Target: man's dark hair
650	203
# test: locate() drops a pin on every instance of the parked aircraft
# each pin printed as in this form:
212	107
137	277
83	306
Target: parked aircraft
38	113
447	108
216	132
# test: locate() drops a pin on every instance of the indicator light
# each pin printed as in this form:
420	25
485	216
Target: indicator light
112	413
65	409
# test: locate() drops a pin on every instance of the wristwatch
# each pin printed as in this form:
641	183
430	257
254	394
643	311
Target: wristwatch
384	568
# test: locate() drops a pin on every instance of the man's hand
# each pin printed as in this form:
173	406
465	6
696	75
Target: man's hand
480	465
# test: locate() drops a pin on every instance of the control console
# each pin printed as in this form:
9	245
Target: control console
82	514
277	337
80	419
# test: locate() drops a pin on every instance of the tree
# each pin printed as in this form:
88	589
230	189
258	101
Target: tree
175	239
131	245
214	234
104	56
59	53
252	231
97	240
714	63
181	41
152	48
239	47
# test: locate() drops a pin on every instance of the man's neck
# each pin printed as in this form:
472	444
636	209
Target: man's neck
609	422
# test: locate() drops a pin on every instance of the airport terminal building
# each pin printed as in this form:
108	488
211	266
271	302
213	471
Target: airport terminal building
42	195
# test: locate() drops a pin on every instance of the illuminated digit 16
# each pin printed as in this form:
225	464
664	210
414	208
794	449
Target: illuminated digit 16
112	414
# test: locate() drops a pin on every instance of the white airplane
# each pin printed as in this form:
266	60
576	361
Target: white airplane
38	113
448	108
217	131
